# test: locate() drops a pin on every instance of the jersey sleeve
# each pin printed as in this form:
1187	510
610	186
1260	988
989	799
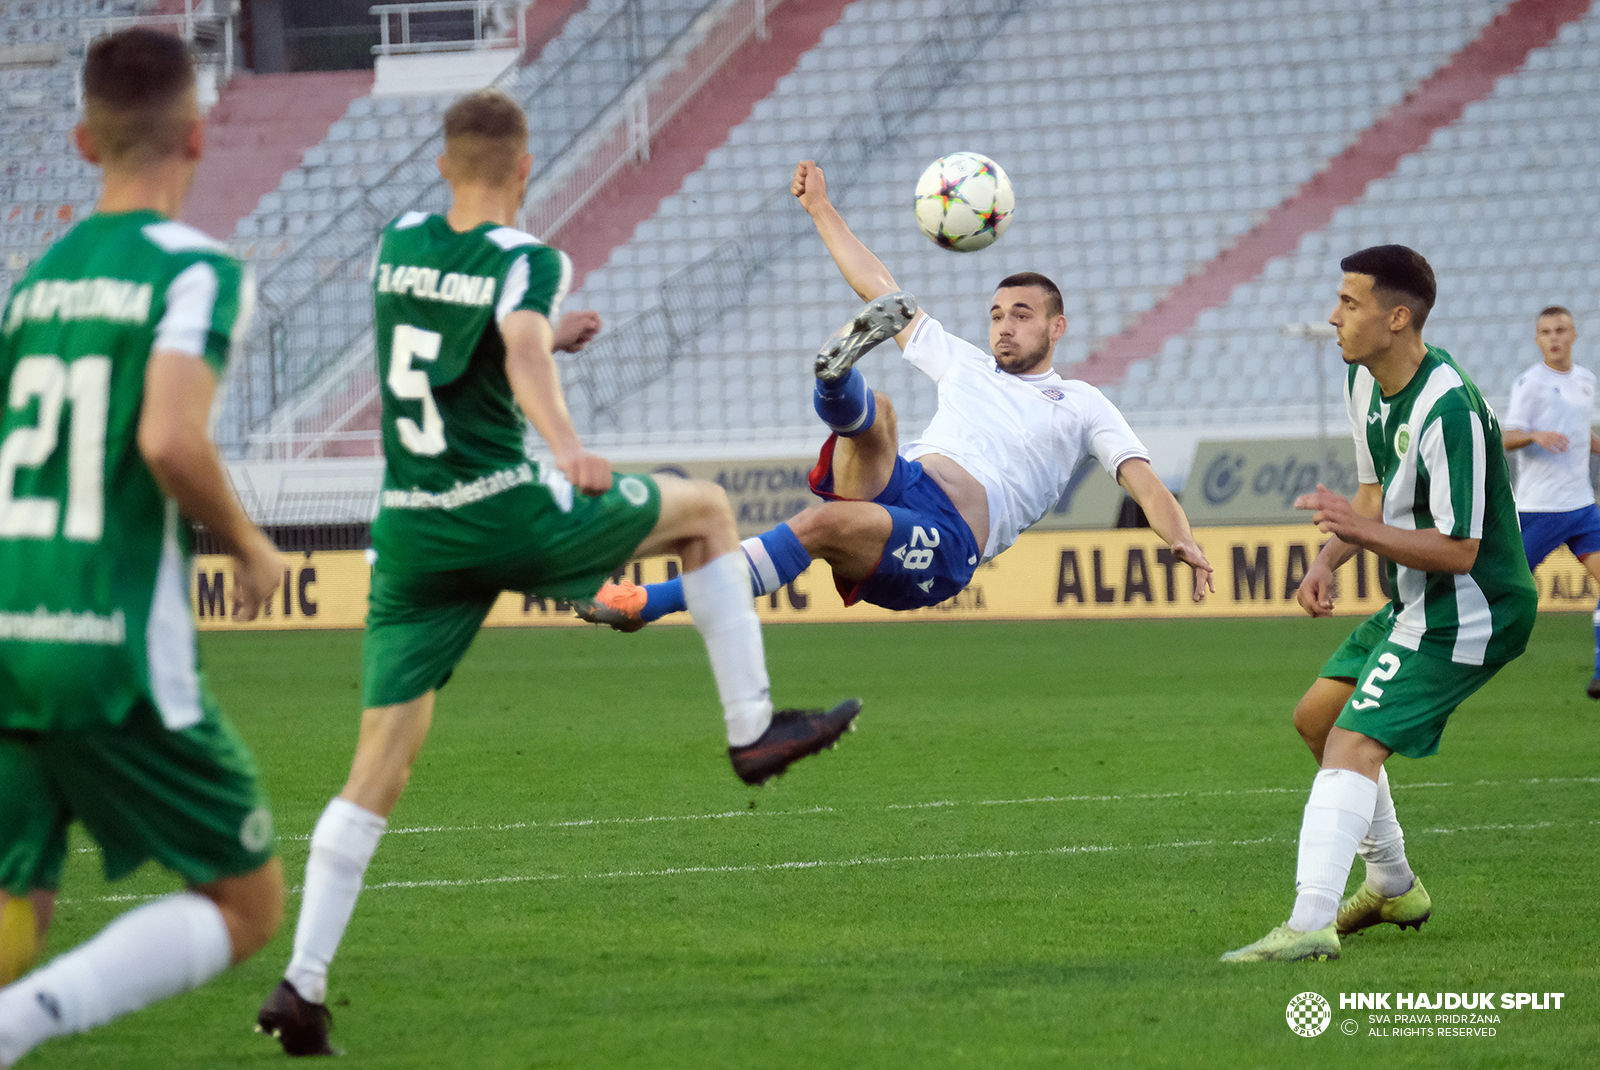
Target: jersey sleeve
934	350
1520	415
1452	450
1366	468
207	309
537	280
1109	437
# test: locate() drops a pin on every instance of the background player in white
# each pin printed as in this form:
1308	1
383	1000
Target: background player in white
906	526
1550	421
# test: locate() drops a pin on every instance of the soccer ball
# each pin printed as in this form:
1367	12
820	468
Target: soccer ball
964	202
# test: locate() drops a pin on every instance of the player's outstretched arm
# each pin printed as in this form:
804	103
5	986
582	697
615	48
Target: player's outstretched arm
178	390
861	268
1167	519
1315	594
536	384
1425	549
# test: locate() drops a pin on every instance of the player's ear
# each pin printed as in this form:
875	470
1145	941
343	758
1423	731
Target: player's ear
444	167
1058	328
85	142
1399	318
525	167
194	139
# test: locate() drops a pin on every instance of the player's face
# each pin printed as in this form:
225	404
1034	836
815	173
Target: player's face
1022	333
1555	335
1364	325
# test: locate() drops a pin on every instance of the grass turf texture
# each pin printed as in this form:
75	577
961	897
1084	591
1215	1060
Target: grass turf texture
1030	855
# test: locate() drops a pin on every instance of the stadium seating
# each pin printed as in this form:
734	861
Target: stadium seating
1142	138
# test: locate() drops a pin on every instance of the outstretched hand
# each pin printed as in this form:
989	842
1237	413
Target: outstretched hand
1333	514
809	186
589	473
576	330
1188	551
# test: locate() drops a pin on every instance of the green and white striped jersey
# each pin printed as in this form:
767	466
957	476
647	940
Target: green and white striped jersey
94	583
452	433
1435	447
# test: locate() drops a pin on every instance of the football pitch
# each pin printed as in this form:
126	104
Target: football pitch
1030	854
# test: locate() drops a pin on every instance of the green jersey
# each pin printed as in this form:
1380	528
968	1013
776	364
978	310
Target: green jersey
1435	448
94	582
456	473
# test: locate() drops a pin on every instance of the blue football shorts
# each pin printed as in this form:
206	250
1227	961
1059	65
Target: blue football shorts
1543	532
930	555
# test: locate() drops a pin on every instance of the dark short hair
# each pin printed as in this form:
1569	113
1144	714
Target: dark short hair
132	81
1054	306
485	133
1553	310
1400	276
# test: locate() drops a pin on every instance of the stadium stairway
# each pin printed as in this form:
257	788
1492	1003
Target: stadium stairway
259	129
681	148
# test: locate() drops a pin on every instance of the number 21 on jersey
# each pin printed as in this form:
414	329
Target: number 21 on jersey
86	383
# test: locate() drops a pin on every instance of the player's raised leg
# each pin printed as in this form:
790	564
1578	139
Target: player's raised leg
860	458
696	525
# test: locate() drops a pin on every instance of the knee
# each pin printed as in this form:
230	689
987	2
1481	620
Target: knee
252	906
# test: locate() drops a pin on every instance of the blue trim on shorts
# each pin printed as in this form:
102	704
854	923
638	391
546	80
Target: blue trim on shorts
1543	532
930	555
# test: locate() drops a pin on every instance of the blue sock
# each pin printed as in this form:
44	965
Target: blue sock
775	557
846	406
663	598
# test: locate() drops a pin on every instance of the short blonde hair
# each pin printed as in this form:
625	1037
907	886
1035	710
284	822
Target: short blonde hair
138	88
485	134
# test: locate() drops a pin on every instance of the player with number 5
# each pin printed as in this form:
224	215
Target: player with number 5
1435	501
466	311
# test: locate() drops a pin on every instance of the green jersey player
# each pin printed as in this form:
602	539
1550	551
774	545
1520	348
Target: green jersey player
466	313
1435	501
110	350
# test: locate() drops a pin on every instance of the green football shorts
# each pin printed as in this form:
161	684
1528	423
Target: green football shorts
419	624
189	799
1403	697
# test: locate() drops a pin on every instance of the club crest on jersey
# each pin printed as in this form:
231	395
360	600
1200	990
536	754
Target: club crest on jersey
1402	438
1053	394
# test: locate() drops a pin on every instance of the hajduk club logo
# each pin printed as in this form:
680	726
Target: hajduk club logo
1308	1014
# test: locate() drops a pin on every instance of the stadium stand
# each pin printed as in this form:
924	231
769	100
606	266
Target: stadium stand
312	238
46	185
1143	139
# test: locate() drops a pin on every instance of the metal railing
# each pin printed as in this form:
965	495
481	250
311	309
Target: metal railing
313	318
644	349
484	17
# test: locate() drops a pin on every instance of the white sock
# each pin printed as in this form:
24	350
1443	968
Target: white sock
1384	848
1337	817
341	846
718	597
158	950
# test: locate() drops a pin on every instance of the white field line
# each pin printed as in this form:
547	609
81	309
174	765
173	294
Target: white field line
843	863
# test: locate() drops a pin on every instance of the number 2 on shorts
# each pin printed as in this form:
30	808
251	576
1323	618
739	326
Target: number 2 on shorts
1388	665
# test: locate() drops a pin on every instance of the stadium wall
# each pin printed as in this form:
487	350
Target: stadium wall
1048	575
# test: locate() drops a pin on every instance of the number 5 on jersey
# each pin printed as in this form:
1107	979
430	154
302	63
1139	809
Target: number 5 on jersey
411	384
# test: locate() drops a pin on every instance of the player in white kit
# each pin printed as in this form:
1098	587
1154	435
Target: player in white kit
906	526
1552	410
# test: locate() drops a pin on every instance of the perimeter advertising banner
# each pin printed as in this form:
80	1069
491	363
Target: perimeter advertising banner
1047	575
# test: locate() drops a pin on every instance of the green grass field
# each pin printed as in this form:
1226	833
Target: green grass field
1029	855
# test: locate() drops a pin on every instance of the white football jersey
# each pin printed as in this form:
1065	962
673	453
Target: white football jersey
1021	437
1543	399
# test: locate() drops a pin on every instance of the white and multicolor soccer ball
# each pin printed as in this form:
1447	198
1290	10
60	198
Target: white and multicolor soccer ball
964	202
